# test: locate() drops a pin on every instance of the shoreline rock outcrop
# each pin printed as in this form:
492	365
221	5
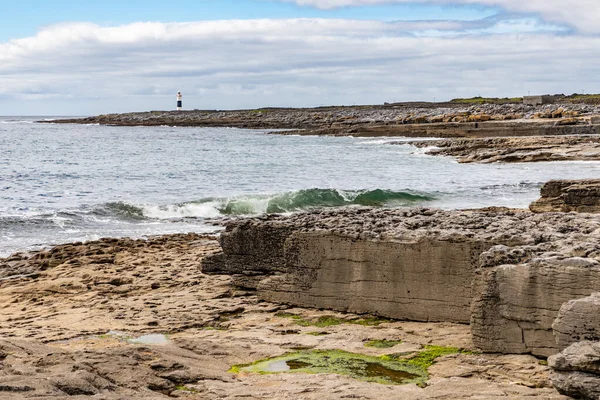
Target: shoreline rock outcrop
135	319
516	149
507	273
568	196
576	369
399	119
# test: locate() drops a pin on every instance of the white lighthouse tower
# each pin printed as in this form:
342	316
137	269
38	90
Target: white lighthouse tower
179	101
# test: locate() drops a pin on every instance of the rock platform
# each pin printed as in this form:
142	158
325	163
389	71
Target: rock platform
568	147
507	273
136	319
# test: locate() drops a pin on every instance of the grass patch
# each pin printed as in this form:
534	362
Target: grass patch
283	314
382	344
371	321
487	100
184	388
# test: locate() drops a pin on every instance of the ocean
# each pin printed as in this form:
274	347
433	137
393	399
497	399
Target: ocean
65	183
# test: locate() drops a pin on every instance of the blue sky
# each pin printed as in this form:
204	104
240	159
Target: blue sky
66	57
24	18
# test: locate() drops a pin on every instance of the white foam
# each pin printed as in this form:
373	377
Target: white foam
202	210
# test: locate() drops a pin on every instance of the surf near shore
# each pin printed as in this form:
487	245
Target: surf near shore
188	316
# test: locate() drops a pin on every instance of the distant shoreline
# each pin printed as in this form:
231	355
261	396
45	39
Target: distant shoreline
444	120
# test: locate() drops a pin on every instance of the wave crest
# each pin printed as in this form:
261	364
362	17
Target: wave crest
260	204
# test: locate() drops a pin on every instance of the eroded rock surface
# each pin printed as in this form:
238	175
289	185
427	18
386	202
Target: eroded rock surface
568	196
399	119
506	272
578	320
58	336
517	149
576	370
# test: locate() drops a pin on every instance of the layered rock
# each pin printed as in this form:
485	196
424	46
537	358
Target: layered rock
507	273
569	195
576	370
515	305
562	145
578	320
134	319
453	119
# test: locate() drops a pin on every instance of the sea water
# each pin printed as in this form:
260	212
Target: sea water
64	183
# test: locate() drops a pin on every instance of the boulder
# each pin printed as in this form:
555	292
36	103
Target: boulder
576	370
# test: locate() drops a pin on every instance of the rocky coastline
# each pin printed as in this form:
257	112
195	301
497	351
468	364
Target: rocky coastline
137	319
403	303
399	119
482	133
514	149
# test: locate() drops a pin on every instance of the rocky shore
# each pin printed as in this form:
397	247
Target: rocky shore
473	133
514	149
331	304
137	319
520	279
400	119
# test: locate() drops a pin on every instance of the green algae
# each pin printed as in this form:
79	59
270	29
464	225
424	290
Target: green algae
370	321
367	368
426	358
329	320
184	388
382	344
393	369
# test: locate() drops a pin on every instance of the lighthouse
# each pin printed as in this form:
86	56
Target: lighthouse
179	102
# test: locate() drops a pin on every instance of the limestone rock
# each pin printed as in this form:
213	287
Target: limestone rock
578	320
581	356
515	305
549	145
576	370
506	272
577	385
569	195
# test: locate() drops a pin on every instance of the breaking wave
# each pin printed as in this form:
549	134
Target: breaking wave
109	214
261	204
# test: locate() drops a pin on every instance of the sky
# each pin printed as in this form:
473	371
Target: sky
67	57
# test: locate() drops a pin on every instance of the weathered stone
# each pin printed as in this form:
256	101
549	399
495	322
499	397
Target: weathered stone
578	320
427	280
581	356
65	351
569	195
513	269
577	385
515	305
576	370
556	143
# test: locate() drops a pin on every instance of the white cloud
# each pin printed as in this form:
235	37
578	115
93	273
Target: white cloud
583	15
252	63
